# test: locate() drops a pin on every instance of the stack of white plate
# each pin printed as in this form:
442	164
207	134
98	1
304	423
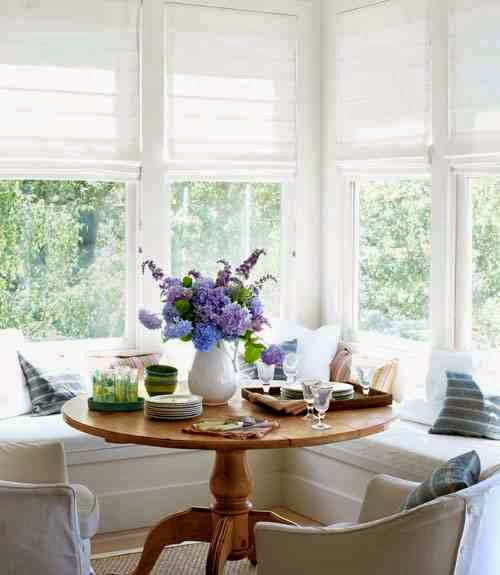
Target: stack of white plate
291	392
173	407
342	391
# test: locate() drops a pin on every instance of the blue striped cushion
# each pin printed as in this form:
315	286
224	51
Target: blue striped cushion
466	410
459	473
49	385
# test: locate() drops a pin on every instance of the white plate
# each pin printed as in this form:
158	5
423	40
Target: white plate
173	412
342	387
175	399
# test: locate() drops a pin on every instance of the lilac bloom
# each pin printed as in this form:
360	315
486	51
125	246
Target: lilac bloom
149	319
247	265
273	355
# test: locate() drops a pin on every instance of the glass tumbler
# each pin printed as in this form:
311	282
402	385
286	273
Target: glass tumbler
290	367
307	385
322	394
266	374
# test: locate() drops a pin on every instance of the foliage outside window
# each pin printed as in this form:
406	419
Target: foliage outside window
394	257
213	220
63	258
486	261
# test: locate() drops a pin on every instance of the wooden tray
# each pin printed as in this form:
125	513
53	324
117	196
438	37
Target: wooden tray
376	398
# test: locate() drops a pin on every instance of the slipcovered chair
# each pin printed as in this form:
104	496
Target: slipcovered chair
456	534
45	523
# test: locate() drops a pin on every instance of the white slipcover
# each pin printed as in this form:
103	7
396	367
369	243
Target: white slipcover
457	534
45	524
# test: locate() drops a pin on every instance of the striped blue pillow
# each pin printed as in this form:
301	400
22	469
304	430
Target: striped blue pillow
459	473
466	410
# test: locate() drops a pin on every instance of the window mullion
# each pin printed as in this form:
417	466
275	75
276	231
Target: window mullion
463	265
155	199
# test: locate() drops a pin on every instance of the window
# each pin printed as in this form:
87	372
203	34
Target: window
394	256
63	258
485	193
210	220
230	136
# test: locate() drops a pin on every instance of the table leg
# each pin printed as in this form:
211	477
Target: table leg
194	524
228	525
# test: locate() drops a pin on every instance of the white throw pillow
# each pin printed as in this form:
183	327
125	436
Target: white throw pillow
442	361
14	395
316	348
420	411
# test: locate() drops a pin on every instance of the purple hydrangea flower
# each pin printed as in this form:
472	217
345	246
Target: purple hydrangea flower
273	355
209	302
205	336
149	319
234	321
170	312
201	282
177	328
177	292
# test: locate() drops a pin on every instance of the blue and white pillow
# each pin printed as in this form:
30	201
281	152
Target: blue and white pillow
459	473
466	410
51	382
249	370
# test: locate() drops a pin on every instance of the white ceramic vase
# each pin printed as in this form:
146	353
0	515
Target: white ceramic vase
213	375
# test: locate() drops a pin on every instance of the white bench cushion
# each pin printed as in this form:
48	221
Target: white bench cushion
48	428
408	451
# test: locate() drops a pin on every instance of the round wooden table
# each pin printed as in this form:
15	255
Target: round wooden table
228	524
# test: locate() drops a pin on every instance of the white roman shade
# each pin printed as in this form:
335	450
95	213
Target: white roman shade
474	56
231	77
69	85
383	79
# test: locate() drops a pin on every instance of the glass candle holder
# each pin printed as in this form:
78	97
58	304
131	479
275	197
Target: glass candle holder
121	383
97	387
108	385
132	385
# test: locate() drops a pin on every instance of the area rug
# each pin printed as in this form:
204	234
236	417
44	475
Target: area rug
185	559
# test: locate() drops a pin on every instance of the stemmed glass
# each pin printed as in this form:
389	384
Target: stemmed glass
322	394
307	385
290	367
266	374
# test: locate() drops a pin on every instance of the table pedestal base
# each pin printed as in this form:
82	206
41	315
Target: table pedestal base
228	525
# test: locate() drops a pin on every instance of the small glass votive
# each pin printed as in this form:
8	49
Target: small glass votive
132	385
108	386
97	387
121	383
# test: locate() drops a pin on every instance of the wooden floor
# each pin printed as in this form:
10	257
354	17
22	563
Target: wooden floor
122	540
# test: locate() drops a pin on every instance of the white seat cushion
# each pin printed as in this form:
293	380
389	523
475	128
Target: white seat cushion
87	505
48	428
408	451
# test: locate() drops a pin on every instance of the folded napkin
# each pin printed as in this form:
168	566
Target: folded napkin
254	431
286	407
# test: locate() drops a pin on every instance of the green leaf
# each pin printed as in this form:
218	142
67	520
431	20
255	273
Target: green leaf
187	281
183	306
253	351
187	337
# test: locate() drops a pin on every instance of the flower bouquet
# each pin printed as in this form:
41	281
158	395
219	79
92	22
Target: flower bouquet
215	314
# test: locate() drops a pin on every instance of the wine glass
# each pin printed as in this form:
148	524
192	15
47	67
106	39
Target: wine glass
322	394
307	385
266	374
365	375
290	367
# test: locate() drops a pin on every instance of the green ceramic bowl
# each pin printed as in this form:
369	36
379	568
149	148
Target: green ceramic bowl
160	379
